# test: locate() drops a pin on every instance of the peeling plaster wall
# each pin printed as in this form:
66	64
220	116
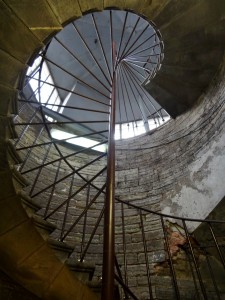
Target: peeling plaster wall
197	194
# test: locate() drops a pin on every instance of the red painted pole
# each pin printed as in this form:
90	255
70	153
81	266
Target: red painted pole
109	223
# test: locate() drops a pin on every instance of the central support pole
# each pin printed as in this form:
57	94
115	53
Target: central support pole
109	219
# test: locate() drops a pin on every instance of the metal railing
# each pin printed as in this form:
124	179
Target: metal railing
198	256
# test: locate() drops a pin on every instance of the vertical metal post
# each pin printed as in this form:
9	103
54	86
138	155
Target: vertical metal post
109	223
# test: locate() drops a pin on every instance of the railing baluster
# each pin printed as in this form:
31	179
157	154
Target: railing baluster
109	217
211	273
65	177
177	293
85	219
195	262
124	246
30	150
125	287
121	277
63	158
27	126
64	106
216	244
63	140
39	171
72	92
67	208
85	210
192	273
146	255
74	194
52	191
92	234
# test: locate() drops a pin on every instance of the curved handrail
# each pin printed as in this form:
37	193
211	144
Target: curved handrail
169	216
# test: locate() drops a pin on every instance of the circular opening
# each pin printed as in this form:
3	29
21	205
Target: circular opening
72	76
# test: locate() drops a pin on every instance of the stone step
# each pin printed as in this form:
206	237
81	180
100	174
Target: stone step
7	126
83	270
96	287
12	155
7	187
28	203
44	227
62	250
18	180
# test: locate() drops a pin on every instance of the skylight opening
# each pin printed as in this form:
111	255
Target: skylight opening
46	91
78	141
76	71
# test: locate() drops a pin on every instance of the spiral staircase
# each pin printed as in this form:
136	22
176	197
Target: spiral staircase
40	248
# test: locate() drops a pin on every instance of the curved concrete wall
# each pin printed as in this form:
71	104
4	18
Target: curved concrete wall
181	165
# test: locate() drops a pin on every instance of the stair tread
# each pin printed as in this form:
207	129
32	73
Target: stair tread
13	153
39	221
83	270
28	201
80	265
61	246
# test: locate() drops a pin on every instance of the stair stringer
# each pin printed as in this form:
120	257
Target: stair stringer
27	258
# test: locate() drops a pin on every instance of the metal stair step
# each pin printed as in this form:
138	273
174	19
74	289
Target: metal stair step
29	204
18	180
62	250
13	156
83	270
96	287
44	227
